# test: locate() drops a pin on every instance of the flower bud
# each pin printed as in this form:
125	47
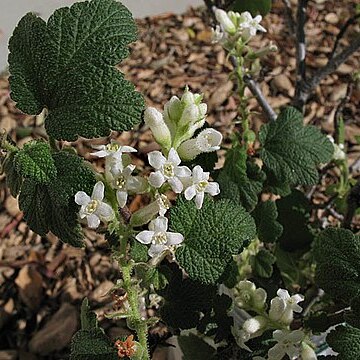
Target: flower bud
255	326
154	119
307	352
188	150
188	97
223	18
173	109
209	140
190	115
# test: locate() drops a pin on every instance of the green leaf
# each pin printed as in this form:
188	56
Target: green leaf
52	207
345	340
337	252
265	215
139	252
153	276
239	179
291	151
253	6
294	215
262	263
91	343
68	66
194	348
185	300
353	316
212	235
34	161
13	179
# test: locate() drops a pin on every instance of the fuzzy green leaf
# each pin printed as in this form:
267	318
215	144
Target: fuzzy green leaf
52	207
265	215
353	316
67	66
239	179
212	235
194	348
13	179
337	252
185	300
294	215
91	343
262	263
345	340
34	161
291	151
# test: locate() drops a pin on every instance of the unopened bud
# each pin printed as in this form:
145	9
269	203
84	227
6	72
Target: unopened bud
255	325
223	18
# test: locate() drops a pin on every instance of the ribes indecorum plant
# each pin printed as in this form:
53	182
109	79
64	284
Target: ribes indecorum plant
218	262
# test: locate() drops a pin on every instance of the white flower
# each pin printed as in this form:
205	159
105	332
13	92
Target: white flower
217	35
124	183
225	22
207	141
255	326
93	208
247	296
114	149
283	306
163	202
167	170
199	185
154	119
250	25
158	236
288	344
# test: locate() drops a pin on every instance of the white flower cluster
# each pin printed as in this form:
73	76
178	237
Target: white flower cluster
280	315
339	153
234	27
176	125
118	172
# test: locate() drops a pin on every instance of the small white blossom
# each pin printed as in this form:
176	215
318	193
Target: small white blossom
199	185
248	297
167	170
114	149
291	301
125	183
217	34
93	208
250	25
158	236
255	326
287	344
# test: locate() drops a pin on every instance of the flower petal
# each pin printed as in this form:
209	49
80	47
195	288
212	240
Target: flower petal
174	238
190	192
277	308
100	154
81	198
156	179
176	184
105	212
145	236
199	199
174	157
93	221
98	192
156	249
296	336
283	294
198	174
156	159
121	198
160	224
277	352
213	188
127	149
182	171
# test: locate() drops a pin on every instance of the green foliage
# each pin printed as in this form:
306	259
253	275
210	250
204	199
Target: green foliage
240	179
194	348
253	6
294	215
156	277
337	252
185	300
262	263
291	151
91	343
52	207
345	340
67	66
34	161
212	235
265	215
13	178
353	316
139	252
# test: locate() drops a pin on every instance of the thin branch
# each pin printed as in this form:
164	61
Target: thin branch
301	45
255	90
342	32
340	109
290	17
306	87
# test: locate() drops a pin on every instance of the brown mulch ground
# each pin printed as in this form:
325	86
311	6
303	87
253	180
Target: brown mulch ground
42	282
